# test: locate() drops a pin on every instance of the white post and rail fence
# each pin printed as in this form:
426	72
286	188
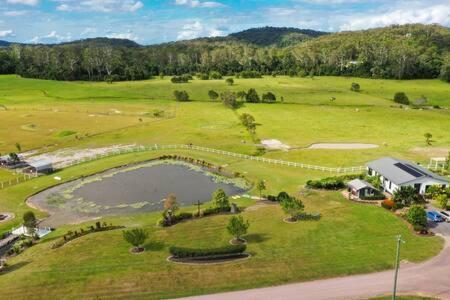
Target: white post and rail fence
156	147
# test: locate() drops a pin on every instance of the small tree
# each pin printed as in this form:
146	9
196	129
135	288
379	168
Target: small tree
269	97
30	222
428	137
292	206
355	87
213	95
182	96
248	121
220	200
18	147
229	81
261	186
417	216
252	96
441	200
400	97
406	195
215	75
229	99
14	157
237	227
136	237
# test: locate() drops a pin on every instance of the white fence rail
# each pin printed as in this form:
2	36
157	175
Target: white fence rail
336	170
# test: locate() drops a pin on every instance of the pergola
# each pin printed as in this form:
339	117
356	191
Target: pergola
437	163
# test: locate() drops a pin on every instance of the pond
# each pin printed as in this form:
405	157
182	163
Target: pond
131	189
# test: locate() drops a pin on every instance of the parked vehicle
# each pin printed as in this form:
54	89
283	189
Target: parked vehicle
445	215
434	216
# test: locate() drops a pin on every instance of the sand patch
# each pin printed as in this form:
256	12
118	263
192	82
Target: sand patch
275	145
432	151
342	146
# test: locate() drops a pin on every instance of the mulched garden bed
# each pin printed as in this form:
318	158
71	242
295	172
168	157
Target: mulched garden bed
210	260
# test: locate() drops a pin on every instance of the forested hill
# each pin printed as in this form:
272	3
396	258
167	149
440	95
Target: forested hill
278	36
401	52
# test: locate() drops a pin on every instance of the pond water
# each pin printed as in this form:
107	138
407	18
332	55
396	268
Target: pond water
131	189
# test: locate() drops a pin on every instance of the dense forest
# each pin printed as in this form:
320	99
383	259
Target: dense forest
400	52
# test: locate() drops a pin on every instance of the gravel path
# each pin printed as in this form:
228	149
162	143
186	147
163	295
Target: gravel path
430	278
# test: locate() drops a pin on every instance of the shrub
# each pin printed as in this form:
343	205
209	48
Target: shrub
374	197
203	76
181	96
355	87
400	97
272	198
220	199
282	195
250	74
229	81
213	211
442	200
237	226
215	75
136	237
181	252
292	206
213	95
252	96
407	195
179	79
416	215
308	216
229	99
269	97
329	183
388	204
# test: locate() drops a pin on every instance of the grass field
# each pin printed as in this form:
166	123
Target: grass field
349	239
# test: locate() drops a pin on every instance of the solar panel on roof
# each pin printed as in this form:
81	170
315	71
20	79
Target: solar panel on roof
410	170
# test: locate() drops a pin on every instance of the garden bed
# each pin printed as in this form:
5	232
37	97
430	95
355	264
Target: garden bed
208	260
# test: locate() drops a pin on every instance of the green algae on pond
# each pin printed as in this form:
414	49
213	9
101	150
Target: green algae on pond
132	189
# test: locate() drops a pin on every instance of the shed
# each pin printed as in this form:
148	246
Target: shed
361	188
40	166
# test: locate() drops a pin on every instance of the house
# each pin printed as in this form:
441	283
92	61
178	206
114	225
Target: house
395	173
39	231
40	166
361	188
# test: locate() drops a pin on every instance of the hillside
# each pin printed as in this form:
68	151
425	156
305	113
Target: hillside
278	36
401	52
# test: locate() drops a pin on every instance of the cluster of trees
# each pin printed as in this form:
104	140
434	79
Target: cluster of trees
401	52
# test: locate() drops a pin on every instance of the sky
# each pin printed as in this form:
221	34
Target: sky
157	21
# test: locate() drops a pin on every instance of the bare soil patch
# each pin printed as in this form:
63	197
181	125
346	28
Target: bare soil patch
342	146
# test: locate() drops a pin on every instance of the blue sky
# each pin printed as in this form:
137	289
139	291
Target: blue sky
155	21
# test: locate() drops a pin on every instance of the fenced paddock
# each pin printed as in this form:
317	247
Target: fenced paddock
156	147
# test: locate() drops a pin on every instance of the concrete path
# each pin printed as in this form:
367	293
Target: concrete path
430	278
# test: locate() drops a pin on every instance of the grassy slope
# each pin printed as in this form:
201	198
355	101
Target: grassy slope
349	239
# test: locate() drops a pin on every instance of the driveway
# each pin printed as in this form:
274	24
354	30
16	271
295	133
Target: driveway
442	228
431	278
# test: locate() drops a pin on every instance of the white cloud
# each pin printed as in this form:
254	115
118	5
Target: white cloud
15	13
88	30
105	6
24	2
53	36
6	33
129	35
198	3
198	29
428	15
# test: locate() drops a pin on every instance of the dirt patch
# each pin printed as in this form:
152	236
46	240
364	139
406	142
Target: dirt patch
342	146
275	145
432	151
5	216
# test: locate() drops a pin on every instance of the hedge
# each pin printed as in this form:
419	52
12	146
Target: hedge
215	210
181	252
374	197
329	183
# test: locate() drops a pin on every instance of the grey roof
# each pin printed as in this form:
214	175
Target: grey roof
38	164
401	171
360	184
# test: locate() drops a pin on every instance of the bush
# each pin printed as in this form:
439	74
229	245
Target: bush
182	96
203	76
250	74
213	95
181	252
229	81
329	183
407	195
215	75
180	79
220	200
374	197
269	97
272	198
175	219
388	204
213	211
252	96
355	87
401	98
417	215
308	216
229	99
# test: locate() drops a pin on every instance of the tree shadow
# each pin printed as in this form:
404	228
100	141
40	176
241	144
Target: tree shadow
256	237
12	268
154	246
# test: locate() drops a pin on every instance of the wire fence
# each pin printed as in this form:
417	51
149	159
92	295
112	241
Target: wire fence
156	147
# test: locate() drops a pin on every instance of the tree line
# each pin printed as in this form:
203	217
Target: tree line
400	52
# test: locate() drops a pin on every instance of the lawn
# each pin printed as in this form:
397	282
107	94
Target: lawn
349	239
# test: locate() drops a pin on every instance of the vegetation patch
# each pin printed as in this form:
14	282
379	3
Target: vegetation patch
65	133
29	127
